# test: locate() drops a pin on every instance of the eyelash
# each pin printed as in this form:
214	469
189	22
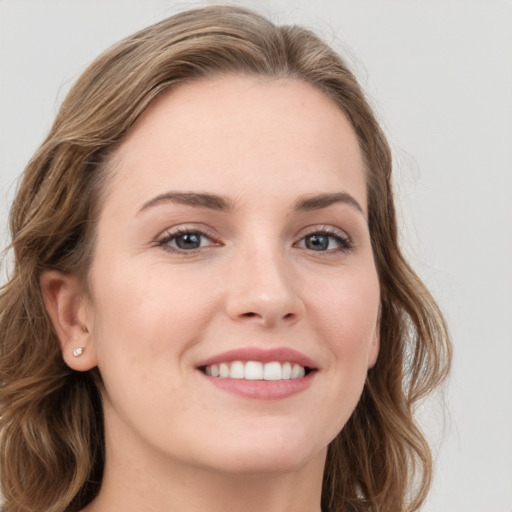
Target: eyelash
345	244
342	239
164	242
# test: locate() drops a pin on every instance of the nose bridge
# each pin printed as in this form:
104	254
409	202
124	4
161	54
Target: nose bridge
262	287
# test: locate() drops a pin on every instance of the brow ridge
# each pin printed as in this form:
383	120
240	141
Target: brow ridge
319	201
196	199
222	203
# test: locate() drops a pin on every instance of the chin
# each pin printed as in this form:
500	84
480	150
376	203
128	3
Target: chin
265	463
271	453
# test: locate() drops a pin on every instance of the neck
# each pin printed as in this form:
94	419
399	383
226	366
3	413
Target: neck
197	490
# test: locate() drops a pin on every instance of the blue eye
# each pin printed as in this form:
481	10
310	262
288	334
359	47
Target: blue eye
189	241
185	241
324	241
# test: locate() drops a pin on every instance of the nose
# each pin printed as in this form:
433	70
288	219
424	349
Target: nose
263	290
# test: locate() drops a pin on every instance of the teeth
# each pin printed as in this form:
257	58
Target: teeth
254	370
297	372
223	370
237	370
272	371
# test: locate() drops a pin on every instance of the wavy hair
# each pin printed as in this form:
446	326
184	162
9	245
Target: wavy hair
51	425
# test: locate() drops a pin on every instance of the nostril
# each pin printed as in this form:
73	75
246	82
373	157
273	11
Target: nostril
251	314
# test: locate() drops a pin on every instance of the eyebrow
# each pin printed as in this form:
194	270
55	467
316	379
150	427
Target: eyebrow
317	202
224	204
211	201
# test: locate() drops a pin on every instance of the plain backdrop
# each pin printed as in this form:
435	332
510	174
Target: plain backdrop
439	73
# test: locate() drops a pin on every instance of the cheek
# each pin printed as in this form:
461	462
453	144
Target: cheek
346	312
145	324
350	303
345	309
147	315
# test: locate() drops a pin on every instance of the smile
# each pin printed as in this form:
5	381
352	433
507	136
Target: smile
256	370
257	373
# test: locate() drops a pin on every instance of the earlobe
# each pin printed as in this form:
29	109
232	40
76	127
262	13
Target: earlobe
71	317
374	349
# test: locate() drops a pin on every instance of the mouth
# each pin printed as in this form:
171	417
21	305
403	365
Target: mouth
263	374
257	370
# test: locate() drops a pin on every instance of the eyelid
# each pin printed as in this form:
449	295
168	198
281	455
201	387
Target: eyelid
347	244
344	239
167	235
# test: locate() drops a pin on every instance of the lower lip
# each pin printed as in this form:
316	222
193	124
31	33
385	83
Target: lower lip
262	389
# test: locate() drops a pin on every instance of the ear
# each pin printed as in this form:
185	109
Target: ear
374	350
374	347
71	315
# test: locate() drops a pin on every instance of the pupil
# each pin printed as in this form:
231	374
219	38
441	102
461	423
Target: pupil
188	241
317	242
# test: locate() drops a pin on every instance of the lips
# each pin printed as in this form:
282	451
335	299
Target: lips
258	373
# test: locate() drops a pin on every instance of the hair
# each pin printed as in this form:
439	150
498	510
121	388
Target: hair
51	425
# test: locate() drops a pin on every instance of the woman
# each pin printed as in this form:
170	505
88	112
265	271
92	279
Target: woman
208	308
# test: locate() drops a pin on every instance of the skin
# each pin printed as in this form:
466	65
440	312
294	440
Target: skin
174	440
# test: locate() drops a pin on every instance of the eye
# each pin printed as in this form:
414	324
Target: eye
185	240
326	241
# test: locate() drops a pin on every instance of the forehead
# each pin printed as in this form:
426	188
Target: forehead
238	134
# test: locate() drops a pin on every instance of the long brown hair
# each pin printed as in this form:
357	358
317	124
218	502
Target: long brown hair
51	443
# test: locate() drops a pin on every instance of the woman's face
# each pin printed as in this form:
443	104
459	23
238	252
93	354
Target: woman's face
233	239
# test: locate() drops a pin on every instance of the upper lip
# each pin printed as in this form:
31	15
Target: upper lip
280	354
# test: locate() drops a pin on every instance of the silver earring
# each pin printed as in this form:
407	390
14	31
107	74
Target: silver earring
78	351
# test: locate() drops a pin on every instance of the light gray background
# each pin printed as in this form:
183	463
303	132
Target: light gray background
439	73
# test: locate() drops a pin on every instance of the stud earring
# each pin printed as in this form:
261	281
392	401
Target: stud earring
78	351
